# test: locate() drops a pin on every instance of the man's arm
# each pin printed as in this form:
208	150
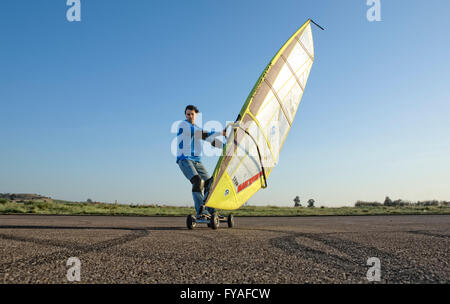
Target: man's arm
211	137
206	134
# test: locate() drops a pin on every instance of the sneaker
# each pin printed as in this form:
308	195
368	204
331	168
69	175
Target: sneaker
204	215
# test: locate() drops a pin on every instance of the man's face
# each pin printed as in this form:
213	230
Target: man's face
190	116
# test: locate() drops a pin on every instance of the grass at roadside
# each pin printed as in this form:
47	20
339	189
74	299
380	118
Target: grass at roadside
72	208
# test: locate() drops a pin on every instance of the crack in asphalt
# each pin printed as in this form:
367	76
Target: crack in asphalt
432	234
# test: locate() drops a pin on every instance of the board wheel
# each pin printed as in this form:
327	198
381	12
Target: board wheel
214	221
191	222
230	221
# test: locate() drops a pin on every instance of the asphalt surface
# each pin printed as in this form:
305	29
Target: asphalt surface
411	249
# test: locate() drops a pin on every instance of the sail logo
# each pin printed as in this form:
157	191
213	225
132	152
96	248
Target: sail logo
227	192
235	181
249	182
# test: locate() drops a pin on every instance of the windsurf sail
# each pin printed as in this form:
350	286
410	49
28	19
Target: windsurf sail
255	140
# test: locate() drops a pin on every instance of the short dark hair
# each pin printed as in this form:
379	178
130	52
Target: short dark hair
192	108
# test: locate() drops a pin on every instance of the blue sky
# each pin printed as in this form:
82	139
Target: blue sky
86	107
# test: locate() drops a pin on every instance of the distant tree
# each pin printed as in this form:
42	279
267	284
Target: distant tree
401	202
297	201
311	203
89	201
367	204
430	203
387	201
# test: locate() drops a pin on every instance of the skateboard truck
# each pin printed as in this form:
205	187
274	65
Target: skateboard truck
212	220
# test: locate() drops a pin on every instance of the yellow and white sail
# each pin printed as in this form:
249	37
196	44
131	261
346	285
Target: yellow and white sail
256	138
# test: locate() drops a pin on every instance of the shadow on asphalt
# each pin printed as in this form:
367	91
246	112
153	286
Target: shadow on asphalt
92	228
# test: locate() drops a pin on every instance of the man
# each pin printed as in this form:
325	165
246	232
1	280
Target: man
189	148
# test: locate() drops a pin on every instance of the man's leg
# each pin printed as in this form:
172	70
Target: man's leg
189	170
205	176
197	188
